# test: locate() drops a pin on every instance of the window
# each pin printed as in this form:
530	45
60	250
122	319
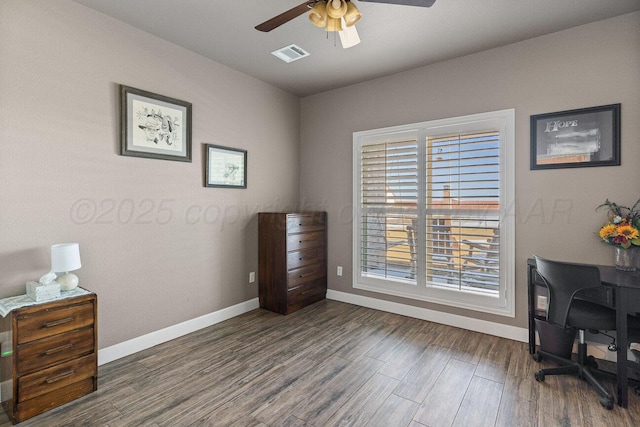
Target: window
431	204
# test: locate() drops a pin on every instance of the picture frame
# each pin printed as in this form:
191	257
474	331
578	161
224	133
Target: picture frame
584	137
225	167
154	126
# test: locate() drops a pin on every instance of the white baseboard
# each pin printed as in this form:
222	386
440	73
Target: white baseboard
486	327
149	340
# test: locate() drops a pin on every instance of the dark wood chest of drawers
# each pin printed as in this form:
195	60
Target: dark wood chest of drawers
49	355
292	257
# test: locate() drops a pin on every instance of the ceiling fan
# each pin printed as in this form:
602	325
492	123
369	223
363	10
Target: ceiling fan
333	15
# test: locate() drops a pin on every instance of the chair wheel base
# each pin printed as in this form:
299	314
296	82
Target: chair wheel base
537	357
539	376
607	402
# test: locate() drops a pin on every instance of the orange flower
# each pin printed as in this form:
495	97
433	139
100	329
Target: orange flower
607	231
628	231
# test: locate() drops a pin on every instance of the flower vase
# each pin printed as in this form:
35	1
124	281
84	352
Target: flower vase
627	259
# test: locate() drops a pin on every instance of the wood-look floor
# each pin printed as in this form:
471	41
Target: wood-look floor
334	364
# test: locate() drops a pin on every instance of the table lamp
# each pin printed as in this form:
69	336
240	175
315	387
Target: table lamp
65	257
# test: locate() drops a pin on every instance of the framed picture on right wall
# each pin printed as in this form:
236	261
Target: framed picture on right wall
576	138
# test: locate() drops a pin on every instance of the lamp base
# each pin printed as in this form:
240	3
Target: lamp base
67	281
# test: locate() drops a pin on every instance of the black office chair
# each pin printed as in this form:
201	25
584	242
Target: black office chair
566	282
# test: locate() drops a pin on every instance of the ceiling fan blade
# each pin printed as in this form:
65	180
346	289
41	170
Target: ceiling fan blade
422	3
349	36
285	17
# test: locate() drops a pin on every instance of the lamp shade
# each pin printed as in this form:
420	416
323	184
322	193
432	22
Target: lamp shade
65	257
318	15
352	15
333	24
336	9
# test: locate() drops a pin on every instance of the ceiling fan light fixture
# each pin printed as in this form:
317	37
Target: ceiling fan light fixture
334	24
318	15
352	15
336	8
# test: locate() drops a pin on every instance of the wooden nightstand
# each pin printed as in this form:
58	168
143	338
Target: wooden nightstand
49	355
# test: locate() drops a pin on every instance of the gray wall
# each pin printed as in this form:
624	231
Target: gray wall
592	65
157	247
60	64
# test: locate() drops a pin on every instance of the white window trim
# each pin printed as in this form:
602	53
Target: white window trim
504	120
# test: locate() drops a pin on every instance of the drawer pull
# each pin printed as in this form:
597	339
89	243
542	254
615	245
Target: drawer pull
58	322
58	349
302	276
59	377
306	292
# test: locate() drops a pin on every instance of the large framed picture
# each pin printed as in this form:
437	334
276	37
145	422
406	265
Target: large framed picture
154	126
226	167
576	138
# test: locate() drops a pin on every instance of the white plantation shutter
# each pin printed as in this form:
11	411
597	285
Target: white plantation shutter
389	199
462	206
429	211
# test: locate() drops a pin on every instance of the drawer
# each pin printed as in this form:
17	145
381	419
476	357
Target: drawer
48	401
306	240
305	257
46	323
309	291
306	274
305	223
48	351
56	377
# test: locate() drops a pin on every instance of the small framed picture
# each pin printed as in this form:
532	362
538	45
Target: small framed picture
154	126
226	167
576	138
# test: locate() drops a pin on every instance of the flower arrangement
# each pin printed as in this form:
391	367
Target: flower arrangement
623	226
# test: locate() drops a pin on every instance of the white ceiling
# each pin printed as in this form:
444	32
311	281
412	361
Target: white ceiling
394	38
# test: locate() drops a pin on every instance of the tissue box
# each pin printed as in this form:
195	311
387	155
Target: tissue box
39	292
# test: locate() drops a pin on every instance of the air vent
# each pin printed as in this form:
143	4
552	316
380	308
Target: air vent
290	53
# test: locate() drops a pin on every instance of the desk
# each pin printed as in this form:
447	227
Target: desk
624	296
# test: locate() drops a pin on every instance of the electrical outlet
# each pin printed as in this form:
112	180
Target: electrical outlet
339	270
252	277
541	302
